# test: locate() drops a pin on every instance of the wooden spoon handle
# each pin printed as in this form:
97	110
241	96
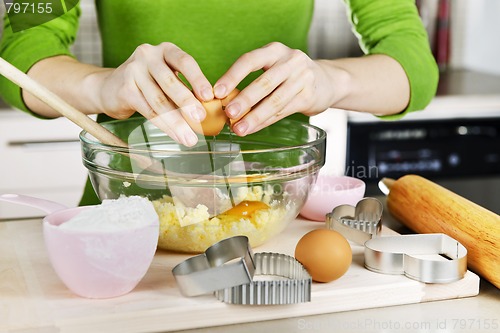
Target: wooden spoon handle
58	104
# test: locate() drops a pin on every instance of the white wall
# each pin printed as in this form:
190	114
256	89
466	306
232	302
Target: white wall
475	39
331	33
475	32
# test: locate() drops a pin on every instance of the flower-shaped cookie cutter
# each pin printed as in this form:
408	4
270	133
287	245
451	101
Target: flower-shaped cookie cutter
358	224
409	255
216	268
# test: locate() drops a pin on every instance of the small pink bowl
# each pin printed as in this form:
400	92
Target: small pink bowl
329	192
99	264
94	264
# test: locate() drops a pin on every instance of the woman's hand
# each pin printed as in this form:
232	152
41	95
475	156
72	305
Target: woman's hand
291	83
148	83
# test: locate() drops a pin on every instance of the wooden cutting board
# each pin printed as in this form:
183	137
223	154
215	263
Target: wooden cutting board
32	296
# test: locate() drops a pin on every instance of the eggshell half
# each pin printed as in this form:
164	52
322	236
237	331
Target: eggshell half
214	120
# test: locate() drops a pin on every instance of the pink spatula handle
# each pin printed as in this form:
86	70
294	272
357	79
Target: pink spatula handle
47	206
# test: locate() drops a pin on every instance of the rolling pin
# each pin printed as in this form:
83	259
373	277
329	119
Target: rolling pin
426	207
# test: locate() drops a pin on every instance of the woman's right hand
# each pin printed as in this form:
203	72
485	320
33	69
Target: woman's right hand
148	83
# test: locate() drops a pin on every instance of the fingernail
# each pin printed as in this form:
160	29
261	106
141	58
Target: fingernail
190	139
220	90
241	127
233	109
198	113
206	94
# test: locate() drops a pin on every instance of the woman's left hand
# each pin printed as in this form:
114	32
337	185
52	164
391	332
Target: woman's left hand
291	83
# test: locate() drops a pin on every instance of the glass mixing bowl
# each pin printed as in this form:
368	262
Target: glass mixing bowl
224	186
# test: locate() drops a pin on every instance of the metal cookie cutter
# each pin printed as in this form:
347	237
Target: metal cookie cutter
292	286
212	270
358	224
398	255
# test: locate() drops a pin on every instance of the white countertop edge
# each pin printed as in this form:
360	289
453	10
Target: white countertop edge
445	107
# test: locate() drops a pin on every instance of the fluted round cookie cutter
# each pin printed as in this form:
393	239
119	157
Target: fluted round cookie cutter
292	286
228	268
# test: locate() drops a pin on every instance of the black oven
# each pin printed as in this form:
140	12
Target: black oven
460	154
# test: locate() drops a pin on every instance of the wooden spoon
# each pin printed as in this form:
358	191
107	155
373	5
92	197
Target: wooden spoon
86	123
80	119
48	97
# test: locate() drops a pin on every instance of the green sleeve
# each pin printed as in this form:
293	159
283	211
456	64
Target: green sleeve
24	48
394	28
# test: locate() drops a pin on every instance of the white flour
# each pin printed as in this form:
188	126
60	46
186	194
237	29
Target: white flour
125	213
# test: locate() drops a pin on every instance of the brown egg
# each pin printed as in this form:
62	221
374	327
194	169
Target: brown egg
325	254
229	98
225	101
213	122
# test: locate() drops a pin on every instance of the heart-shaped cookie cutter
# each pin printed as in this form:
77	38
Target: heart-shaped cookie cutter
400	255
216	268
292	286
358	224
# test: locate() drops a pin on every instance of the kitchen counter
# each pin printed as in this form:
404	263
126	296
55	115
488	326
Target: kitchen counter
464	82
471	314
480	313
475	314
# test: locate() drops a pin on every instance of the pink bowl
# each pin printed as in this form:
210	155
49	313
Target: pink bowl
98	264
329	192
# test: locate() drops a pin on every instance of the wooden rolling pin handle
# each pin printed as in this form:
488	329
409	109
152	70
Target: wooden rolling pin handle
385	185
388	182
426	207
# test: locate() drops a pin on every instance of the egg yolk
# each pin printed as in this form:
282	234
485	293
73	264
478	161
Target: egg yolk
246	208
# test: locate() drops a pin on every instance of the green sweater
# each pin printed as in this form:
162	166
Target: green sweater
217	32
